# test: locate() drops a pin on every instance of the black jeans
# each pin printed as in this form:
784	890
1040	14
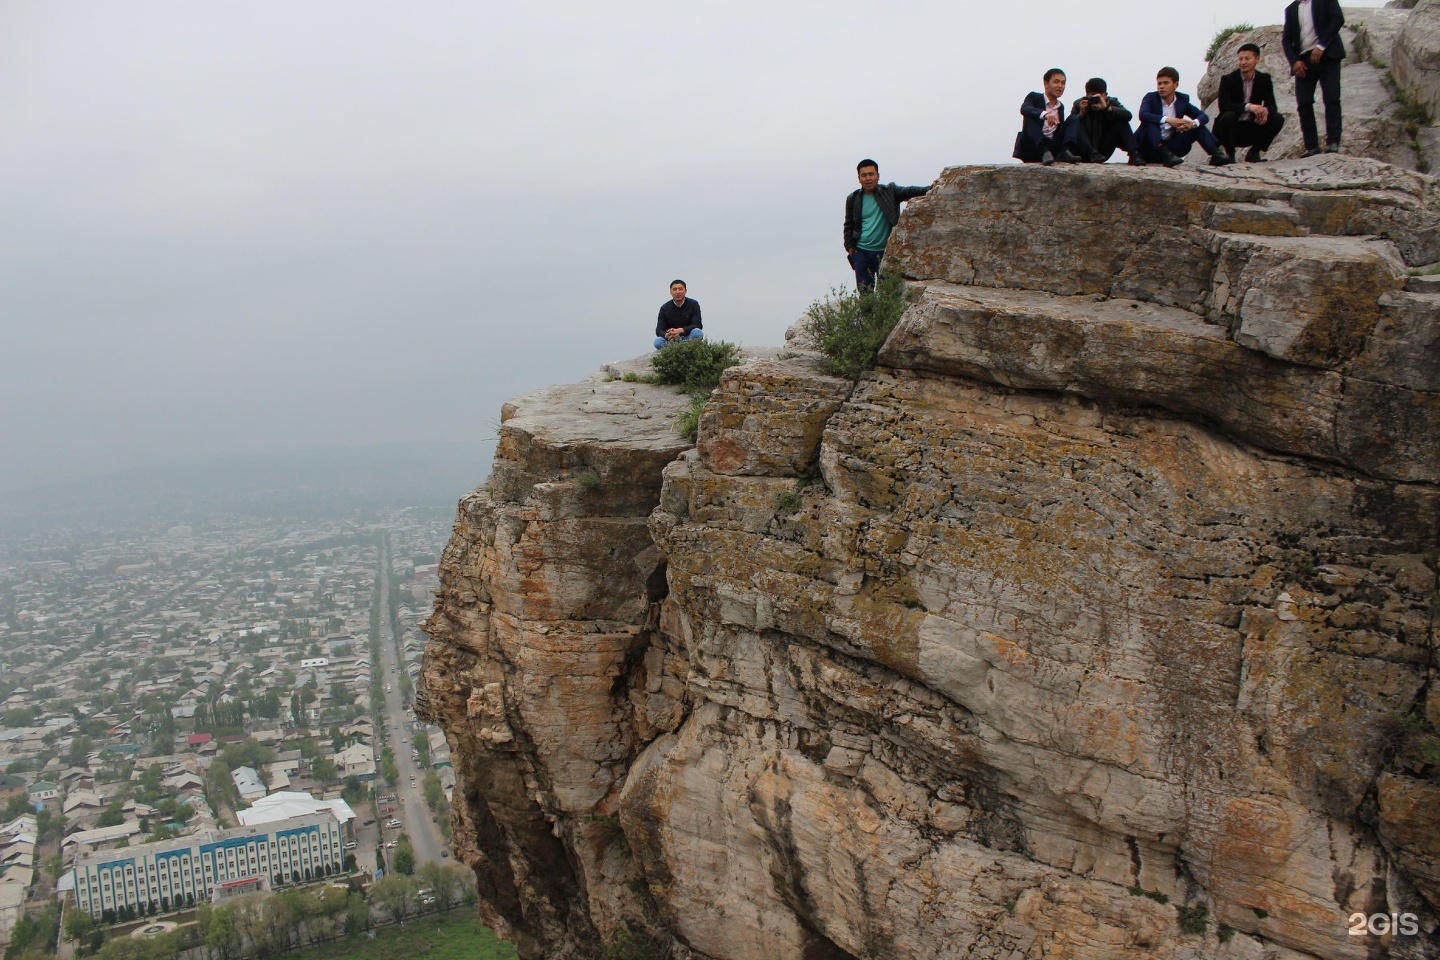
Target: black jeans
866	264
1327	74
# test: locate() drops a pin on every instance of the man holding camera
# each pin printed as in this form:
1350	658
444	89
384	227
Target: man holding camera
1170	125
1102	123
1249	116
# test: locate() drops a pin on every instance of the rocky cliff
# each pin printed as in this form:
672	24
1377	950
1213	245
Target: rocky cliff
1099	621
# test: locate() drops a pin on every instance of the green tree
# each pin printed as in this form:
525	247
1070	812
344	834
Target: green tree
78	924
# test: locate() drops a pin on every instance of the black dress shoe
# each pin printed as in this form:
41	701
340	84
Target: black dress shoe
1136	160
1169	159
1312	152
1254	155
1220	159
1332	148
1046	157
1065	156
1096	157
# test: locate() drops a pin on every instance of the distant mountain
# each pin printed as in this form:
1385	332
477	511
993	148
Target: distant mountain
337	481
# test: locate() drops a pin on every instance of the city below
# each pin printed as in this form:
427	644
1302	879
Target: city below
206	707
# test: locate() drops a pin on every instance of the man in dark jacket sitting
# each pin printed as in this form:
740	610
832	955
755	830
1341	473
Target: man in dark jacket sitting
679	318
870	214
1249	116
1102	123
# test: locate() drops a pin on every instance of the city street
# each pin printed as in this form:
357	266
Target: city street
410	807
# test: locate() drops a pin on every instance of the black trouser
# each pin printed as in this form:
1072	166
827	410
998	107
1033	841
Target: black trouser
1103	138
866	264
1327	74
1031	142
1240	130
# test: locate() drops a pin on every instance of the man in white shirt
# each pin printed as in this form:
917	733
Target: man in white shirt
1311	39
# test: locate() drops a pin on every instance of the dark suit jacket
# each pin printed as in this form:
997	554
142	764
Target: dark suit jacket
1329	18
1232	92
1034	107
1152	110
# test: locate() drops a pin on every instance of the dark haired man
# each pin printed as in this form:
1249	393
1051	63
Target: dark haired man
679	318
1170	124
1043	130
1101	123
1249	116
870	214
1311	40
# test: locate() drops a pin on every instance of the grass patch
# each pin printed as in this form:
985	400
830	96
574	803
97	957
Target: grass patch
587	478
1225	934
850	328
694	365
457	935
687	421
787	502
633	377
1223	34
1139	891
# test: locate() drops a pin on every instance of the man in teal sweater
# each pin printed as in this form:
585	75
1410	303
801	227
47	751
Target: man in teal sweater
870	214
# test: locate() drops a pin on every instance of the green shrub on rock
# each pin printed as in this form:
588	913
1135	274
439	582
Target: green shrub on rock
694	365
850	328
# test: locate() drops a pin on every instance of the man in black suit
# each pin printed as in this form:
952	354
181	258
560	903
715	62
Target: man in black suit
1311	39
1044	131
1249	116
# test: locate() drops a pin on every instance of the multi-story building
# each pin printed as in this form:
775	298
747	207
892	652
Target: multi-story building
210	866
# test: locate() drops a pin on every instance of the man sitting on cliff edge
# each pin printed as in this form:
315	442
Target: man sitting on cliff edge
679	318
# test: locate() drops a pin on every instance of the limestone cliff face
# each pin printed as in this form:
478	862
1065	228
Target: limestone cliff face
1098	622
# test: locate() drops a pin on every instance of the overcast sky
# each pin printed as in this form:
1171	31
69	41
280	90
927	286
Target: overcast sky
244	227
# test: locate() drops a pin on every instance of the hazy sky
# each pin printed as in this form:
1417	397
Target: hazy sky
242	227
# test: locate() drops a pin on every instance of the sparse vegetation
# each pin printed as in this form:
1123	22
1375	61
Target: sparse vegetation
1225	934
1260	912
787	502
1192	919
587	478
633	377
1412	114
1223	34
629	945
687	421
1156	895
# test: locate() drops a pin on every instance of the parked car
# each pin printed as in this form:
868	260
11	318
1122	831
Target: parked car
394	824
367	823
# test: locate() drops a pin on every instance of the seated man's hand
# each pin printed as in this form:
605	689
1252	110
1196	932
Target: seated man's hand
674	333
1260	112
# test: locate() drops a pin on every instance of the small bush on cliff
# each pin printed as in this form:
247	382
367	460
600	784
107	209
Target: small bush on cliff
695	366
1223	35
850	328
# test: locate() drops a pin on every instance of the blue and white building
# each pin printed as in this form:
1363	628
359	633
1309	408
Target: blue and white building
210	866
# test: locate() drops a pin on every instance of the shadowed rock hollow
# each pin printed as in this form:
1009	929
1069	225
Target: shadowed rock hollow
1106	602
